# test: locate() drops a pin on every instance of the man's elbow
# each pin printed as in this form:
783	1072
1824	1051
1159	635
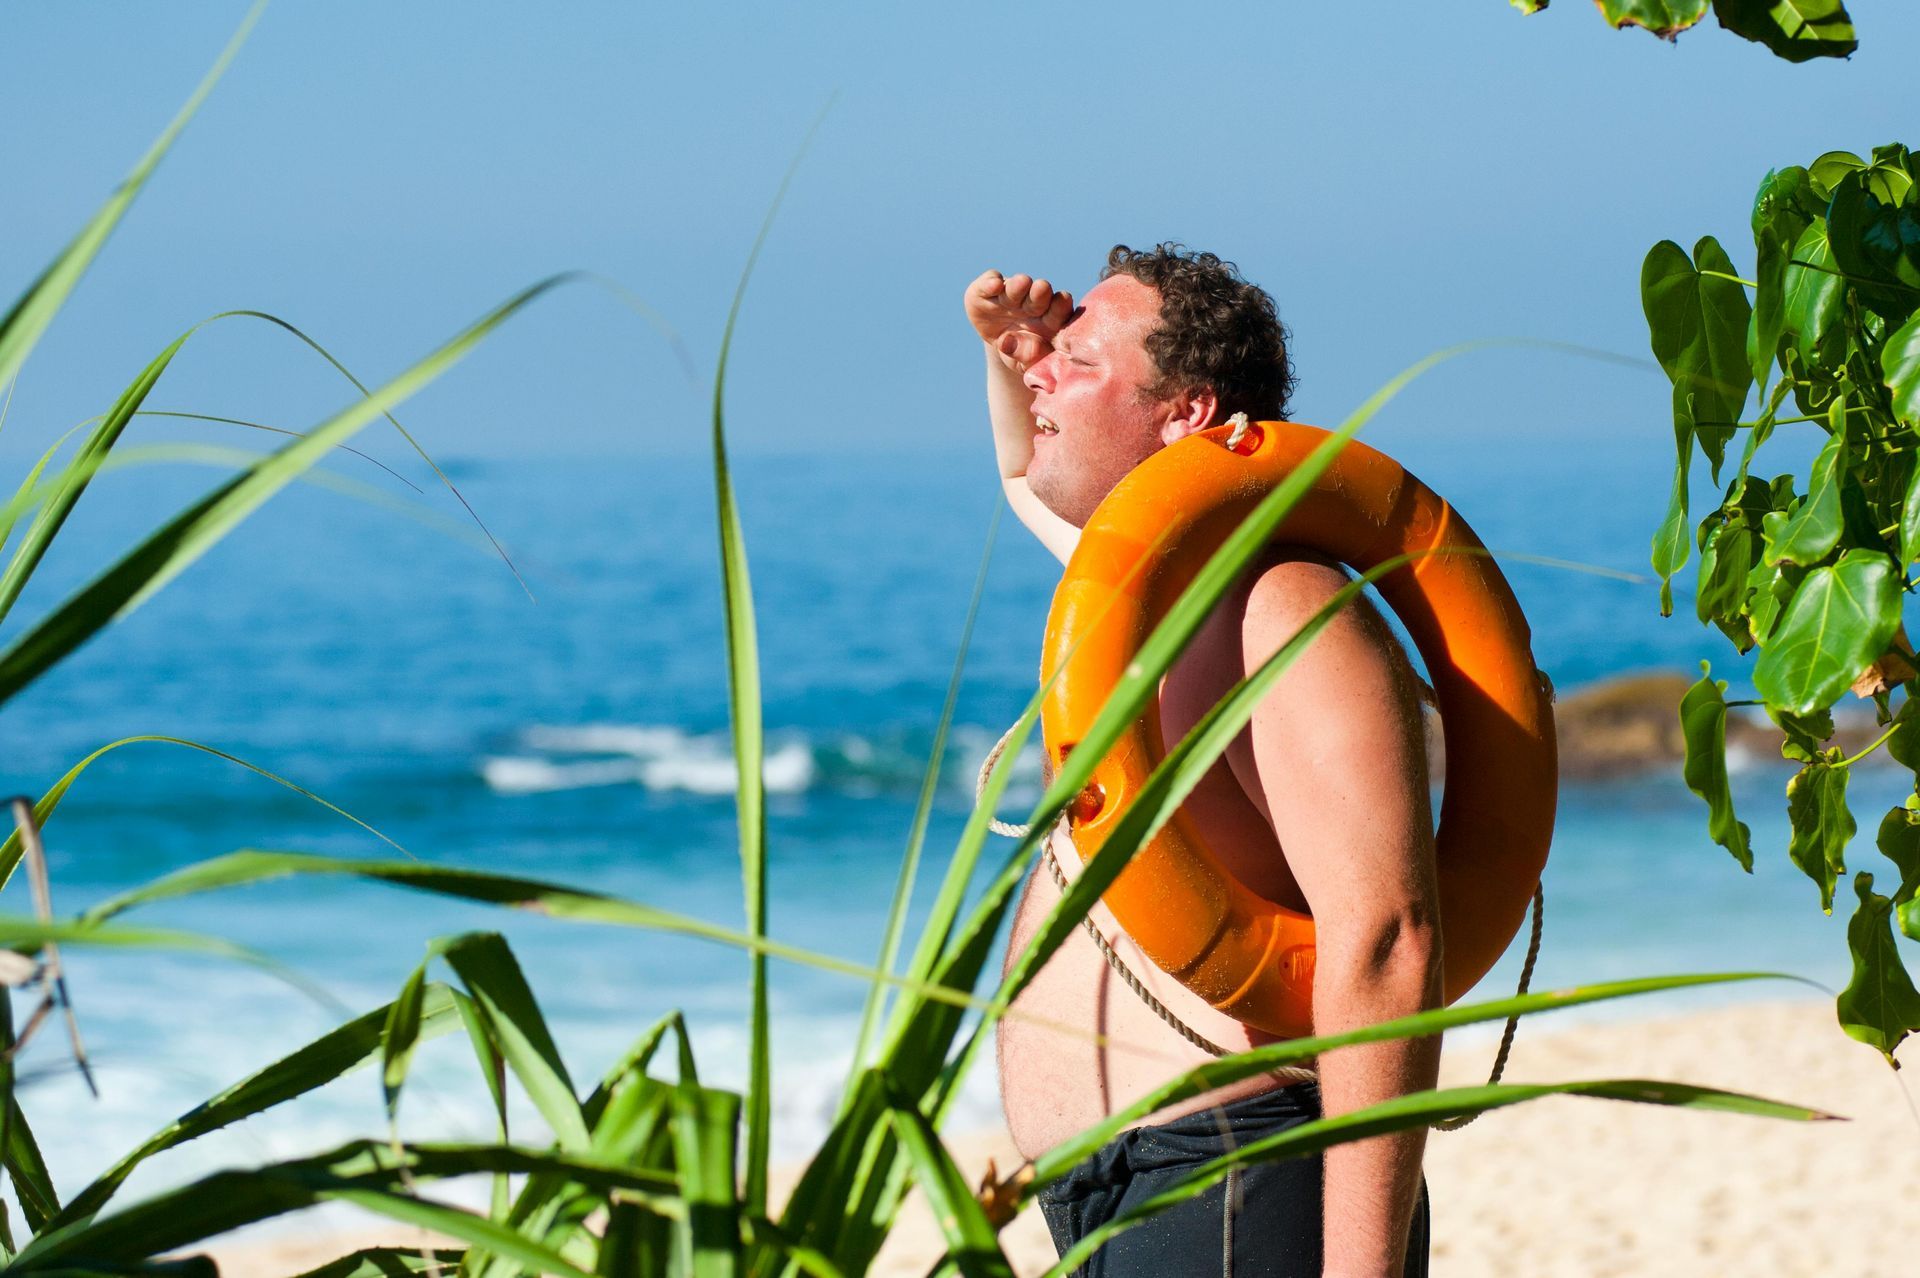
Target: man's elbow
1398	950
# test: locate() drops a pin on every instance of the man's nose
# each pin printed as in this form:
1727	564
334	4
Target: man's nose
1039	374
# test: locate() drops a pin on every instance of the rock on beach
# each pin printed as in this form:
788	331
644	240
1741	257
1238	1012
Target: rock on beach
1630	724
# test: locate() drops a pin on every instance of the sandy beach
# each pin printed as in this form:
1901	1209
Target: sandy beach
1571	1187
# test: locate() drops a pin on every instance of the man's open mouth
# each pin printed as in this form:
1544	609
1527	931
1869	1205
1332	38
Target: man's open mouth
1046	427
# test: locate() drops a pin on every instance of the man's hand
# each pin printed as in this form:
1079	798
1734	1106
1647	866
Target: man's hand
1017	320
1017	317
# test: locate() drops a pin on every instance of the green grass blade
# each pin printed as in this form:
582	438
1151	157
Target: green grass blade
273	430
933	961
366	1173
27	1169
19	1152
34	311
637	1110
240	459
836	1205
112	426
124	456
493	1071
1572	565
335	1054
770	1238
179	1267
632	1064
749	745
972	1242
22	496
29	935
923	810
628	1114
78	474
398	1039
1230	1069
388	1262
706	1128
169	551
50	801
550	900
493	978
413	443
1420	1109
636	1244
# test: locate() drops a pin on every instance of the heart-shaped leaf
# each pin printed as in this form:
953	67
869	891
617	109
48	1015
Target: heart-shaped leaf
1900	369
1839	620
1665	18
1812	292
1698	325
1703	723
1783	208
1803	735
1904	744
1822	823
1876	241
1813	528
1879	1007
1899	842
1796	30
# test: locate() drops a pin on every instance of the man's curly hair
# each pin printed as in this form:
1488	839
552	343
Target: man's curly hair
1216	330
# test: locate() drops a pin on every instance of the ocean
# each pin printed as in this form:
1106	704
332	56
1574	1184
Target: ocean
377	655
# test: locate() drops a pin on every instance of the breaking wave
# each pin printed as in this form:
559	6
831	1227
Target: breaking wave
549	757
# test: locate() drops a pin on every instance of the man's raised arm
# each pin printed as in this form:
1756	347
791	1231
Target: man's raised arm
1016	319
1340	766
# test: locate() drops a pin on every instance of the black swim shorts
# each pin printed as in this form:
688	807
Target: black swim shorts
1263	1221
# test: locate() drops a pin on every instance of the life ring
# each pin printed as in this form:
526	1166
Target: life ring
1244	954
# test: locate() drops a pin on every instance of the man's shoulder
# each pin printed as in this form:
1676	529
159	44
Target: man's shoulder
1289	584
1290	587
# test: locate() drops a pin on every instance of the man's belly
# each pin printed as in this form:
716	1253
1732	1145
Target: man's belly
1082	1045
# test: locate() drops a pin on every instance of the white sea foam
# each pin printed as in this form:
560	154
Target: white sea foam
661	757
521	775
640	740
656	757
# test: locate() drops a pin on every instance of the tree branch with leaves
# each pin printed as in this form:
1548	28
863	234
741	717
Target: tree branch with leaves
1809	570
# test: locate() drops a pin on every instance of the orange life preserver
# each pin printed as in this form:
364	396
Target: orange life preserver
1244	954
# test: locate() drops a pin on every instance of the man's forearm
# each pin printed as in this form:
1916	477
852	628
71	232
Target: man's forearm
1010	408
1371	1185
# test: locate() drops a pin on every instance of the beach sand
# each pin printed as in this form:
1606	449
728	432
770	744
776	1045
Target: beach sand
1564	1186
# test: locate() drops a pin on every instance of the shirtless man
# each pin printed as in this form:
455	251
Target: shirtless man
1321	804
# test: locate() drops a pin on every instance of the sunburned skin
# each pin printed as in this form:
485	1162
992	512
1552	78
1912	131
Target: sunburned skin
1057	1081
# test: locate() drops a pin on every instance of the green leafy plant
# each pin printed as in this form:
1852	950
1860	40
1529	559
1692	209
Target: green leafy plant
1796	30
1811	569
640	1174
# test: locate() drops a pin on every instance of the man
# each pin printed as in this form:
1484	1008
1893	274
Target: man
1321	805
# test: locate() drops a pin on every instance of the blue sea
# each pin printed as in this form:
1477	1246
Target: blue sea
376	653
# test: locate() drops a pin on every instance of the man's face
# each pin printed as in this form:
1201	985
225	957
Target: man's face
1095	422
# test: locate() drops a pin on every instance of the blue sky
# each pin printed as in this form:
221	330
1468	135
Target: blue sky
1401	177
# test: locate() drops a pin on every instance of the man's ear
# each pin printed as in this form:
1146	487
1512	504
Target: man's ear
1193	410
